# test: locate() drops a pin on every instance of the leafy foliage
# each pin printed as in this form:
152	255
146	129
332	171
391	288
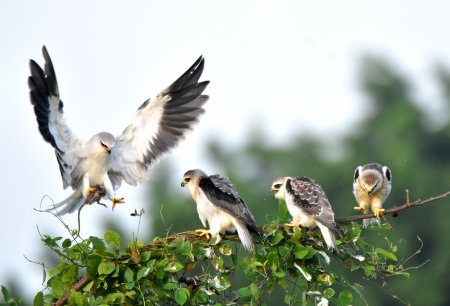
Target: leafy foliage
9	300
186	269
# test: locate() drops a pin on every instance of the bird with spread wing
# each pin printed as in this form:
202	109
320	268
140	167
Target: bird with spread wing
105	160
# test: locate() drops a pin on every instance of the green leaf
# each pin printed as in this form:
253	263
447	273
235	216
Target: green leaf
254	290
278	272
353	233
300	251
217	263
56	285
150	264
181	295
329	292
276	238
39	299
145	256
170	286
245	294
173	267
128	275
92	265
225	249
325	279
143	272
106	267
66	243
283	213
97	243
77	299
345	297
5	293
201	297
220	283
284	251
70	274
386	254
112	238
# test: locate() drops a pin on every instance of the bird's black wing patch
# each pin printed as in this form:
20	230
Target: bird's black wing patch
220	192
176	109
311	198
48	108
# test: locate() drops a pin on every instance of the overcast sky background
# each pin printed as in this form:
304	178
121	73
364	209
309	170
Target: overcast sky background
289	66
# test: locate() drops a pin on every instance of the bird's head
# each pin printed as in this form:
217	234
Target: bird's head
106	141
191	178
372	177
279	187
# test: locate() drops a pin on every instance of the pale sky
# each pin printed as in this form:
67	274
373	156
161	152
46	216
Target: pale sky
288	65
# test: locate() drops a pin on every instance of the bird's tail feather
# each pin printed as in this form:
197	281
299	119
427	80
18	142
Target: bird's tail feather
328	236
70	204
372	221
245	236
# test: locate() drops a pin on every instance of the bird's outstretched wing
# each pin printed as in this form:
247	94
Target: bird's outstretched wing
220	192
157	127
48	107
312	200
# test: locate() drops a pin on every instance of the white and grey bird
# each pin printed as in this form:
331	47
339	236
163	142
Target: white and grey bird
308	205
105	160
220	207
371	186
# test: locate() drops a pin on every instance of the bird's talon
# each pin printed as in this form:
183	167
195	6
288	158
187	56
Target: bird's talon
92	190
359	208
378	212
116	201
202	232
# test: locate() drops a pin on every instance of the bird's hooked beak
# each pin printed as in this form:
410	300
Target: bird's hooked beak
370	188
108	149
275	187
182	184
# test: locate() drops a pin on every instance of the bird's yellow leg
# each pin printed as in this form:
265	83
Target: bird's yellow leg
92	189
378	212
292	225
203	232
359	208
116	201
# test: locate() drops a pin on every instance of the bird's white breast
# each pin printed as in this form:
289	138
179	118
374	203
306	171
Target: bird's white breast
97	166
218	220
298	215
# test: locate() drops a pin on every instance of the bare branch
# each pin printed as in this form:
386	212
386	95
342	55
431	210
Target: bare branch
394	210
76	287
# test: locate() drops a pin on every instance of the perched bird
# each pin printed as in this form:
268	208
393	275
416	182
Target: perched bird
308	206
371	187
220	206
105	160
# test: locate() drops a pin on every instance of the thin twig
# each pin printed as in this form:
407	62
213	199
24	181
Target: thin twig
394	210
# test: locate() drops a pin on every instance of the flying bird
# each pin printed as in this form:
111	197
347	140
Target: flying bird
371	186
105	160
308	205
220	206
